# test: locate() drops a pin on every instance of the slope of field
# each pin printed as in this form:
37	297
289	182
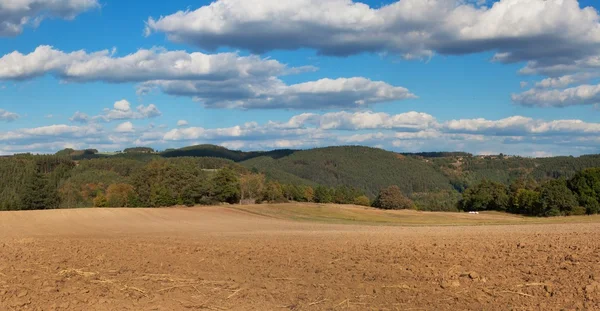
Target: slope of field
350	214
218	258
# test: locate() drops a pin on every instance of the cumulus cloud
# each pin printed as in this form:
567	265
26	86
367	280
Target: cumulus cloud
16	14
521	126
224	80
579	95
405	126
125	127
45	133
143	65
182	123
557	39
273	93
407	132
564	81
8	116
547	32
121	111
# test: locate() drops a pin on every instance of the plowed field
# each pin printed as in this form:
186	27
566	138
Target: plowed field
221	258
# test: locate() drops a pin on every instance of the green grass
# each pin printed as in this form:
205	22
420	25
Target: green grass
348	214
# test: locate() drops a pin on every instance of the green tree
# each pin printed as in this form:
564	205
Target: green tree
362	200
556	198
323	195
392	198
273	192
486	195
226	186
38	193
527	202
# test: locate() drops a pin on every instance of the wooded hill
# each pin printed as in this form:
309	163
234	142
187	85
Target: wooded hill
433	180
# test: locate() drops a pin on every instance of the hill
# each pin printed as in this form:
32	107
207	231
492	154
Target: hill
367	169
222	152
370	169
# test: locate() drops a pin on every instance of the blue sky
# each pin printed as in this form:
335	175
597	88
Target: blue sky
392	74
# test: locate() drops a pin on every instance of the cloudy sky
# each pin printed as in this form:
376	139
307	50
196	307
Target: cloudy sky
512	76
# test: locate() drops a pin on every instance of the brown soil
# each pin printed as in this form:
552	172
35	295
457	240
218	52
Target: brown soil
223	259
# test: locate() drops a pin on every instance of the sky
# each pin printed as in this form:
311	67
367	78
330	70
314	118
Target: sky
519	77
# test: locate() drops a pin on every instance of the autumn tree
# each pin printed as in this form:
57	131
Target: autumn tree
273	192
251	187
119	195
392	198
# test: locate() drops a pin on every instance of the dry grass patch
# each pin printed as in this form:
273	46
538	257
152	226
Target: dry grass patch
351	214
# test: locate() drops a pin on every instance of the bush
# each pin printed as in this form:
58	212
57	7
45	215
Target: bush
118	195
578	211
100	201
392	198
362	201
591	205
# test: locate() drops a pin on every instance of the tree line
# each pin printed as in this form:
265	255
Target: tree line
47	182
578	195
145	180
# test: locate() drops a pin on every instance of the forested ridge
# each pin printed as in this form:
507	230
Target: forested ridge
207	174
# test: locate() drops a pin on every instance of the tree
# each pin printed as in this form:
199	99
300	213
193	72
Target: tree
226	186
38	193
273	192
556	198
586	185
118	195
486	195
527	202
100	200
251	187
392	198
323	195
362	200
309	194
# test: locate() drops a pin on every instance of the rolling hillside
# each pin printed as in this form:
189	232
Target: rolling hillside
367	169
370	169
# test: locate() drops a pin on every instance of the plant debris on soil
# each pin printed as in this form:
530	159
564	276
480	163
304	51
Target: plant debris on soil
218	258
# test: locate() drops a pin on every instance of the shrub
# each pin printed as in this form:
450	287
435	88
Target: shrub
392	198
362	200
100	201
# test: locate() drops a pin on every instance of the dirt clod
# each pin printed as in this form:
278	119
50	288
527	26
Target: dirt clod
218	258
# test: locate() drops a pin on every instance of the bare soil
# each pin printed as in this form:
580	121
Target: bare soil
218	258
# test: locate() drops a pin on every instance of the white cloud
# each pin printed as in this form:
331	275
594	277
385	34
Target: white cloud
16	14
182	123
521	126
579	95
44	133
8	116
125	127
545	31
558	39
224	80
121	111
564	81
407	132
143	65
80	117
274	94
